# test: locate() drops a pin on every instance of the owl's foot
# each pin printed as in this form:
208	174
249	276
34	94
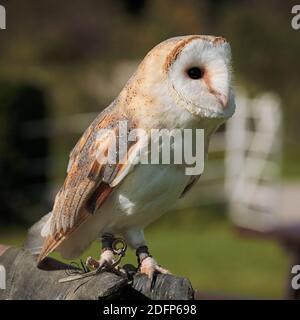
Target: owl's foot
113	250
149	267
147	264
106	261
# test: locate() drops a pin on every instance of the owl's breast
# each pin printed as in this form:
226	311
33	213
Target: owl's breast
146	193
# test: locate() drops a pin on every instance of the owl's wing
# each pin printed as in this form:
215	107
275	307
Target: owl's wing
90	179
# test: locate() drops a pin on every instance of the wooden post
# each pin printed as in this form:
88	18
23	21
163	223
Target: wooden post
24	281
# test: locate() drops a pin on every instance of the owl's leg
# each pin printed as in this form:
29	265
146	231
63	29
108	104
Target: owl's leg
147	265
107	255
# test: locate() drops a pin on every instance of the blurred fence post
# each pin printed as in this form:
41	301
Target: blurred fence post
253	152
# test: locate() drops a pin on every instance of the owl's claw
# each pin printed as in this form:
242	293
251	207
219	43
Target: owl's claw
150	267
106	261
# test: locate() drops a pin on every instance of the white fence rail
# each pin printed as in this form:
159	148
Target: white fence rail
253	148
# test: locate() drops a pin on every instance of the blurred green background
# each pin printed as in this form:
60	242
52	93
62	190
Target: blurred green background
60	59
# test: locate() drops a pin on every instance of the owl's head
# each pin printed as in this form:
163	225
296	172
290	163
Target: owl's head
198	69
192	71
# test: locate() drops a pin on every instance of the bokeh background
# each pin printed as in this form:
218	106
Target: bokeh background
62	62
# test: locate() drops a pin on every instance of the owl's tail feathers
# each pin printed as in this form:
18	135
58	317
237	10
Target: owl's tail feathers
37	234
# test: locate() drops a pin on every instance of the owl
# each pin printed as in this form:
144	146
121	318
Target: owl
183	83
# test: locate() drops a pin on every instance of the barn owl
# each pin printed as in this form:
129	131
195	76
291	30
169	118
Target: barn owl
184	82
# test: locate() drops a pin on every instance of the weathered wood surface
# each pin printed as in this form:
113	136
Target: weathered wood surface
27	282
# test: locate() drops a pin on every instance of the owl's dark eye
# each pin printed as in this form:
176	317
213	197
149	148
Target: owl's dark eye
195	73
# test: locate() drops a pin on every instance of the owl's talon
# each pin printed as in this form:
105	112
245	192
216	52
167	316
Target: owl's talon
106	261
91	262
150	267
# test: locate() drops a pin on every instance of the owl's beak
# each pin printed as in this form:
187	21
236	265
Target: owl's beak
223	100
221	97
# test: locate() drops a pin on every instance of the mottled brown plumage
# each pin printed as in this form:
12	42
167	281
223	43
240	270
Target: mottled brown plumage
87	184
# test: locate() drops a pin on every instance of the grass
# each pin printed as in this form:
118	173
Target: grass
290	164
205	249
